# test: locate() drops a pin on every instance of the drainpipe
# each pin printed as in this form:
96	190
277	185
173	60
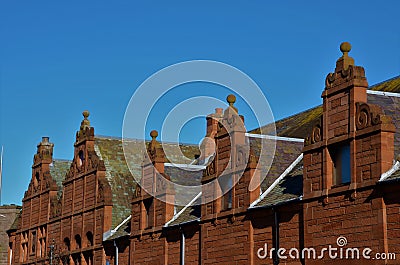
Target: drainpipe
116	253
182	246
276	233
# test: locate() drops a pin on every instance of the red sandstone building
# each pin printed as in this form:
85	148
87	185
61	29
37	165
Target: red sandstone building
335	175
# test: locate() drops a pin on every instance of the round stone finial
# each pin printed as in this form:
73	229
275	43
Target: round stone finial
154	134
86	114
231	99
345	47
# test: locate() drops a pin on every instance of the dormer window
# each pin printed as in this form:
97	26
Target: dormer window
341	164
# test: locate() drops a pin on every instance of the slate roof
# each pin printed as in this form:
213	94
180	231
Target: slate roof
395	175
14	226
58	170
124	230
285	153
184	177
120	178
289	188
190	214
391	107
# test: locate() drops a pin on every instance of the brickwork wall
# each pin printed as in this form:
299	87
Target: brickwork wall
359	220
149	249
225	242
80	216
312	180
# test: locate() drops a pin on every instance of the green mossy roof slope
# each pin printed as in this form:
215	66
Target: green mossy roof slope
58	170
118	174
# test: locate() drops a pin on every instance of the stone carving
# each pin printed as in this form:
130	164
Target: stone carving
138	192
100	192
93	160
367	115
210	169
344	74
316	133
154	150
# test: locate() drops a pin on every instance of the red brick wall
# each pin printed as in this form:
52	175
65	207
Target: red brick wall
81	209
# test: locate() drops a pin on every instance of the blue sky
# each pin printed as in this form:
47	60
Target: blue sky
59	58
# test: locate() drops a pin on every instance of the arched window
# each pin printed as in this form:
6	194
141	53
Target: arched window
67	244
36	180
78	242
81	158
89	238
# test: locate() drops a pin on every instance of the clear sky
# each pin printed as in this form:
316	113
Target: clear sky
59	58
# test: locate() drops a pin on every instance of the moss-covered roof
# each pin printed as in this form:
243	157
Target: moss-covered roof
391	85
296	126
58	170
120	178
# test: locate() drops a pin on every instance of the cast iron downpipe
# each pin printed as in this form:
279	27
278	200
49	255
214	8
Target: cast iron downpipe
116	253
276	233
182	246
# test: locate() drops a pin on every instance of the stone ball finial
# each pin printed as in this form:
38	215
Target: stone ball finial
231	99
86	114
154	134
345	47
